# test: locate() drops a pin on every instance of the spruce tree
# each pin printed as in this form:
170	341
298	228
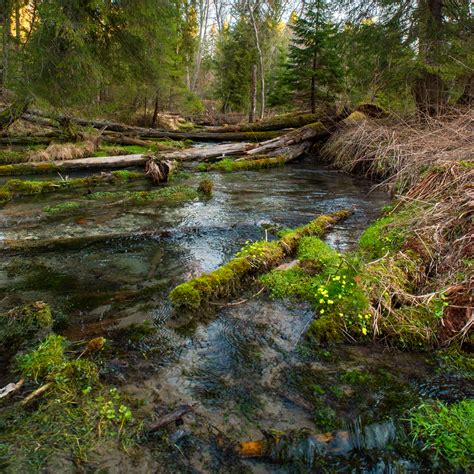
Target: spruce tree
313	63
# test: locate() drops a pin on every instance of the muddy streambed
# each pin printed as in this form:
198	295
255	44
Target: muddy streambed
246	368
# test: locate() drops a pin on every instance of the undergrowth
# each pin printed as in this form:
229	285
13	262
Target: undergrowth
69	418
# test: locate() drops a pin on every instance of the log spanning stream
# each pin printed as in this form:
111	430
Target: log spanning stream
108	268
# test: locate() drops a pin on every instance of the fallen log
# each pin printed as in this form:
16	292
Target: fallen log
258	257
143	132
207	152
285	147
255	162
171	417
312	132
276	123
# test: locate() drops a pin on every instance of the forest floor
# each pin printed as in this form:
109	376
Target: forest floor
356	353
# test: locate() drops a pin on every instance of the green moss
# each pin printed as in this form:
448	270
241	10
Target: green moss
446	430
325	329
127	175
167	194
62	208
228	165
5	196
27	168
382	236
25	323
284	284
12	156
19	187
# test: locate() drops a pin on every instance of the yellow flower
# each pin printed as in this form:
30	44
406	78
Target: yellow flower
330	302
322	311
321	301
337	278
364	331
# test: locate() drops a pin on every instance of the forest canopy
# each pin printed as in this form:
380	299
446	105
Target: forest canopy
243	56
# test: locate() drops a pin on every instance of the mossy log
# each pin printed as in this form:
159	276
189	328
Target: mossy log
279	122
18	187
257	258
208	152
143	132
256	162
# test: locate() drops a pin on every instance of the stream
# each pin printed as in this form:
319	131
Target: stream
107	270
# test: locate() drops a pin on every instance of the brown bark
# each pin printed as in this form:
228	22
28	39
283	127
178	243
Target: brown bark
159	171
253	95
154	120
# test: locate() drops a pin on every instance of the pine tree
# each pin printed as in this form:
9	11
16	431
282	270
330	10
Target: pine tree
313	62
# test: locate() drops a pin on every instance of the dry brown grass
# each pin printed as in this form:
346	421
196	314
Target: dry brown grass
65	151
398	150
429	166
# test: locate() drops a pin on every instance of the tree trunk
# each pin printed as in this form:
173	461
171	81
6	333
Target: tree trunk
429	89
253	95
154	120
5	44
313	85
261	63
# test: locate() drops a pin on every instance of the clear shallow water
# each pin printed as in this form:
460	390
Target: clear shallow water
244	366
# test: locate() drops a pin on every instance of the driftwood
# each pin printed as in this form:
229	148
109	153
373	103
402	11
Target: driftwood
171	417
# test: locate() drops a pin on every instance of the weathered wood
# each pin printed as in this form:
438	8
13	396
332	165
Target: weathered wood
159	170
104	162
311	132
207	152
171	417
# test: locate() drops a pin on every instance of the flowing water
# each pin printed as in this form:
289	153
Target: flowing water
108	269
